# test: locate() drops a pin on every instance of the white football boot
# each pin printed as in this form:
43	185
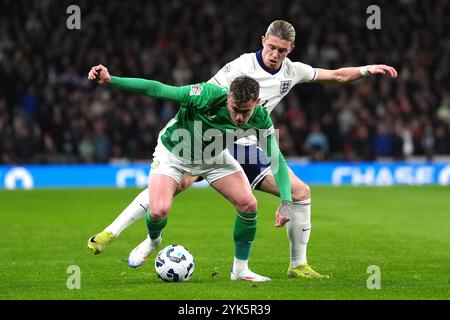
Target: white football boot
249	275
139	254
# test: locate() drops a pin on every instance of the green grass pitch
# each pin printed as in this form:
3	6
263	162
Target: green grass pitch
405	231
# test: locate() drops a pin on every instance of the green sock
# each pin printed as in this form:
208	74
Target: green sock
244	234
154	227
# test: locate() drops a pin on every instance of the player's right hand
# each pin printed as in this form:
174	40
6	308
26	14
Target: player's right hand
100	74
282	214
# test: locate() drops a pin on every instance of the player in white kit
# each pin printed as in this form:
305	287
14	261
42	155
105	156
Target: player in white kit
276	75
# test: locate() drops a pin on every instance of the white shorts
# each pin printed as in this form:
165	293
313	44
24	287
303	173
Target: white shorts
166	163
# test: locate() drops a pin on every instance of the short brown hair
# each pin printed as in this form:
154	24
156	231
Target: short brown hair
244	89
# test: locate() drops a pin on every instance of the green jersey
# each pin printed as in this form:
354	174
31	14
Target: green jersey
204	123
203	128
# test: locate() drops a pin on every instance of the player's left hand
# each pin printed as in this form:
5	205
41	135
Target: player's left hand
282	214
382	69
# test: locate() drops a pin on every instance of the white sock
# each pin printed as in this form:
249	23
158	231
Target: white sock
298	230
239	266
135	211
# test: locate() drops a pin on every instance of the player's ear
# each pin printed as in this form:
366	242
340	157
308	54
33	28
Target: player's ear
292	48
258	100
228	97
262	40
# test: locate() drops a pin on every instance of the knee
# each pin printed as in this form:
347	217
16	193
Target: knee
248	204
159	211
301	192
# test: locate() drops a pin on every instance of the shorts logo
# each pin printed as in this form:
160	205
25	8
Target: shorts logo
285	86
155	164
196	90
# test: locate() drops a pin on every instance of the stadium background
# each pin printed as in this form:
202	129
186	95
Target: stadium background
50	113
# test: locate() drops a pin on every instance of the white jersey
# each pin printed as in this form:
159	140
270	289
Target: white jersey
274	85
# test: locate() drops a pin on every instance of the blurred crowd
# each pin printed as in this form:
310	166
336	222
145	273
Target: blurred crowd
51	113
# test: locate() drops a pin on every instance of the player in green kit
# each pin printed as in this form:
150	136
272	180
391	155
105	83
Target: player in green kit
194	142
277	74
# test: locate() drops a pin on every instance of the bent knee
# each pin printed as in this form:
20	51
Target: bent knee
301	192
248	204
159	212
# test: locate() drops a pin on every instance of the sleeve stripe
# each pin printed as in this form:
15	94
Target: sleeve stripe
215	79
314	75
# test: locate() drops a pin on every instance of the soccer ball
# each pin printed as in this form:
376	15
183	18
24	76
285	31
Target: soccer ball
174	263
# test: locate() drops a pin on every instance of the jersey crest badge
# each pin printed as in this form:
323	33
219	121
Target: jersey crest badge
196	90
227	68
210	116
285	86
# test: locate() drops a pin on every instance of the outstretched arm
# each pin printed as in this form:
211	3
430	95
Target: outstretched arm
344	75
150	88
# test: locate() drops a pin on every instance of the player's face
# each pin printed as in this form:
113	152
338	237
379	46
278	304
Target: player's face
240	113
274	51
